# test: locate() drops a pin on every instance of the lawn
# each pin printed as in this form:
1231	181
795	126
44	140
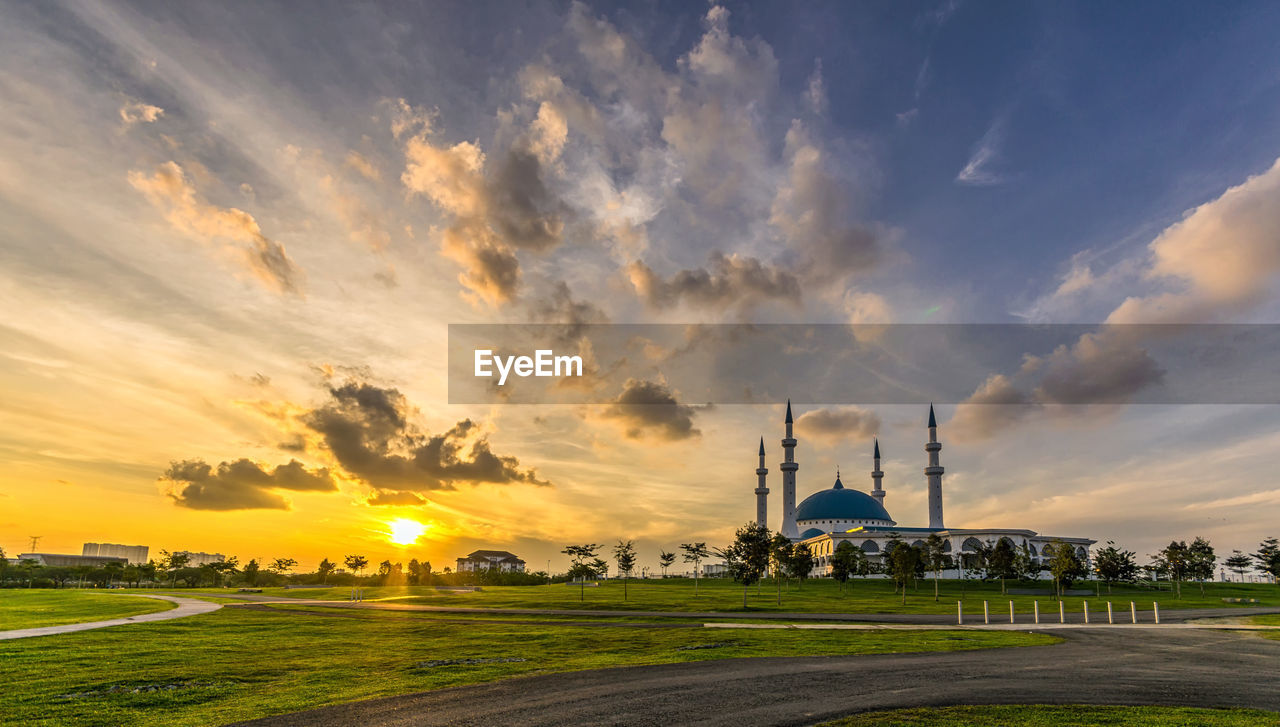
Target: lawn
1076	715
22	608
237	664
821	595
1272	619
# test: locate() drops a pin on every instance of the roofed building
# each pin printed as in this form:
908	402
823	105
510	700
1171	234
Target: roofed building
491	560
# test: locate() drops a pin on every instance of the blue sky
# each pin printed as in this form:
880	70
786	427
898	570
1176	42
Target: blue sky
228	226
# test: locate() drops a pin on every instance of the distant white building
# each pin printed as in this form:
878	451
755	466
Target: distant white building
136	554
195	560
69	560
490	560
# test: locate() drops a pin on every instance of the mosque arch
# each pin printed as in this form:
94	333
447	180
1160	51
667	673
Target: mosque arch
869	546
1084	554
971	545
946	546
918	544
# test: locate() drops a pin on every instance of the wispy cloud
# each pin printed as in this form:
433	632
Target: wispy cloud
979	171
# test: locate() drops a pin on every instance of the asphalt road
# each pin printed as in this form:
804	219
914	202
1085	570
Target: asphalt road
1202	668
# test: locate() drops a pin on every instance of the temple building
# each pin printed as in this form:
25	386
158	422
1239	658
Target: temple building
829	517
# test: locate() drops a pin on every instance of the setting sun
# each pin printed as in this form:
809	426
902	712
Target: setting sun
404	531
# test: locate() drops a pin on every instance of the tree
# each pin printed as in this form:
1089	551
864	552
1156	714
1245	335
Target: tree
1238	562
695	553
902	562
220	569
1201	561
936	559
1115	565
1064	566
415	571
579	568
1026	565
250	572
325	568
282	566
847	560
174	562
800	564
779	556
665	560
356	563
748	556
624	554
1268	558
1001	562
1175	560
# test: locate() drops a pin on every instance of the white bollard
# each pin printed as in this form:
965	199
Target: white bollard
1086	611
1037	605
1133	611
1011	612
1156	607
986	615
1109	619
960	613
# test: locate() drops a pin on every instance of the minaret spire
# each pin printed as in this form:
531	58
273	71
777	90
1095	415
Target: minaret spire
789	467
877	475
934	473
762	492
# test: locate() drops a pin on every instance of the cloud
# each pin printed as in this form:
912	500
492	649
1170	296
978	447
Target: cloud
647	409
811	212
241	484
265	259
390	498
368	430
815	93
364	166
728	280
839	424
1221	258
986	153
1104	367
133	112
996	405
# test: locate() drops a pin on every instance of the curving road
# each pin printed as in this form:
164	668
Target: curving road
1203	668
186	607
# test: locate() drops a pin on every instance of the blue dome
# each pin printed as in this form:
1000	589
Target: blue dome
840	503
811	533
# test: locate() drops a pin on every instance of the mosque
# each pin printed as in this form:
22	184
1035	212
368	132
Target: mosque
829	517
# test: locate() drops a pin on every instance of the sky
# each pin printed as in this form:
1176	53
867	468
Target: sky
233	236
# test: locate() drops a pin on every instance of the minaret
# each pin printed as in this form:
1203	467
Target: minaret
789	468
934	473
876	476
762	492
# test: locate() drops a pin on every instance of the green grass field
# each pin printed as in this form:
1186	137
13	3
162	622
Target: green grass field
236	664
1076	715
822	595
29	608
1272	619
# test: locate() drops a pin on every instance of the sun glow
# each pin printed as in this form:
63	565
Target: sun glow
404	531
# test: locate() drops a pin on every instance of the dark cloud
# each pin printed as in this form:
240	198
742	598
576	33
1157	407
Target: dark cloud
726	281
496	208
994	406
241	484
367	429
1099	368
395	498
646	408
847	423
